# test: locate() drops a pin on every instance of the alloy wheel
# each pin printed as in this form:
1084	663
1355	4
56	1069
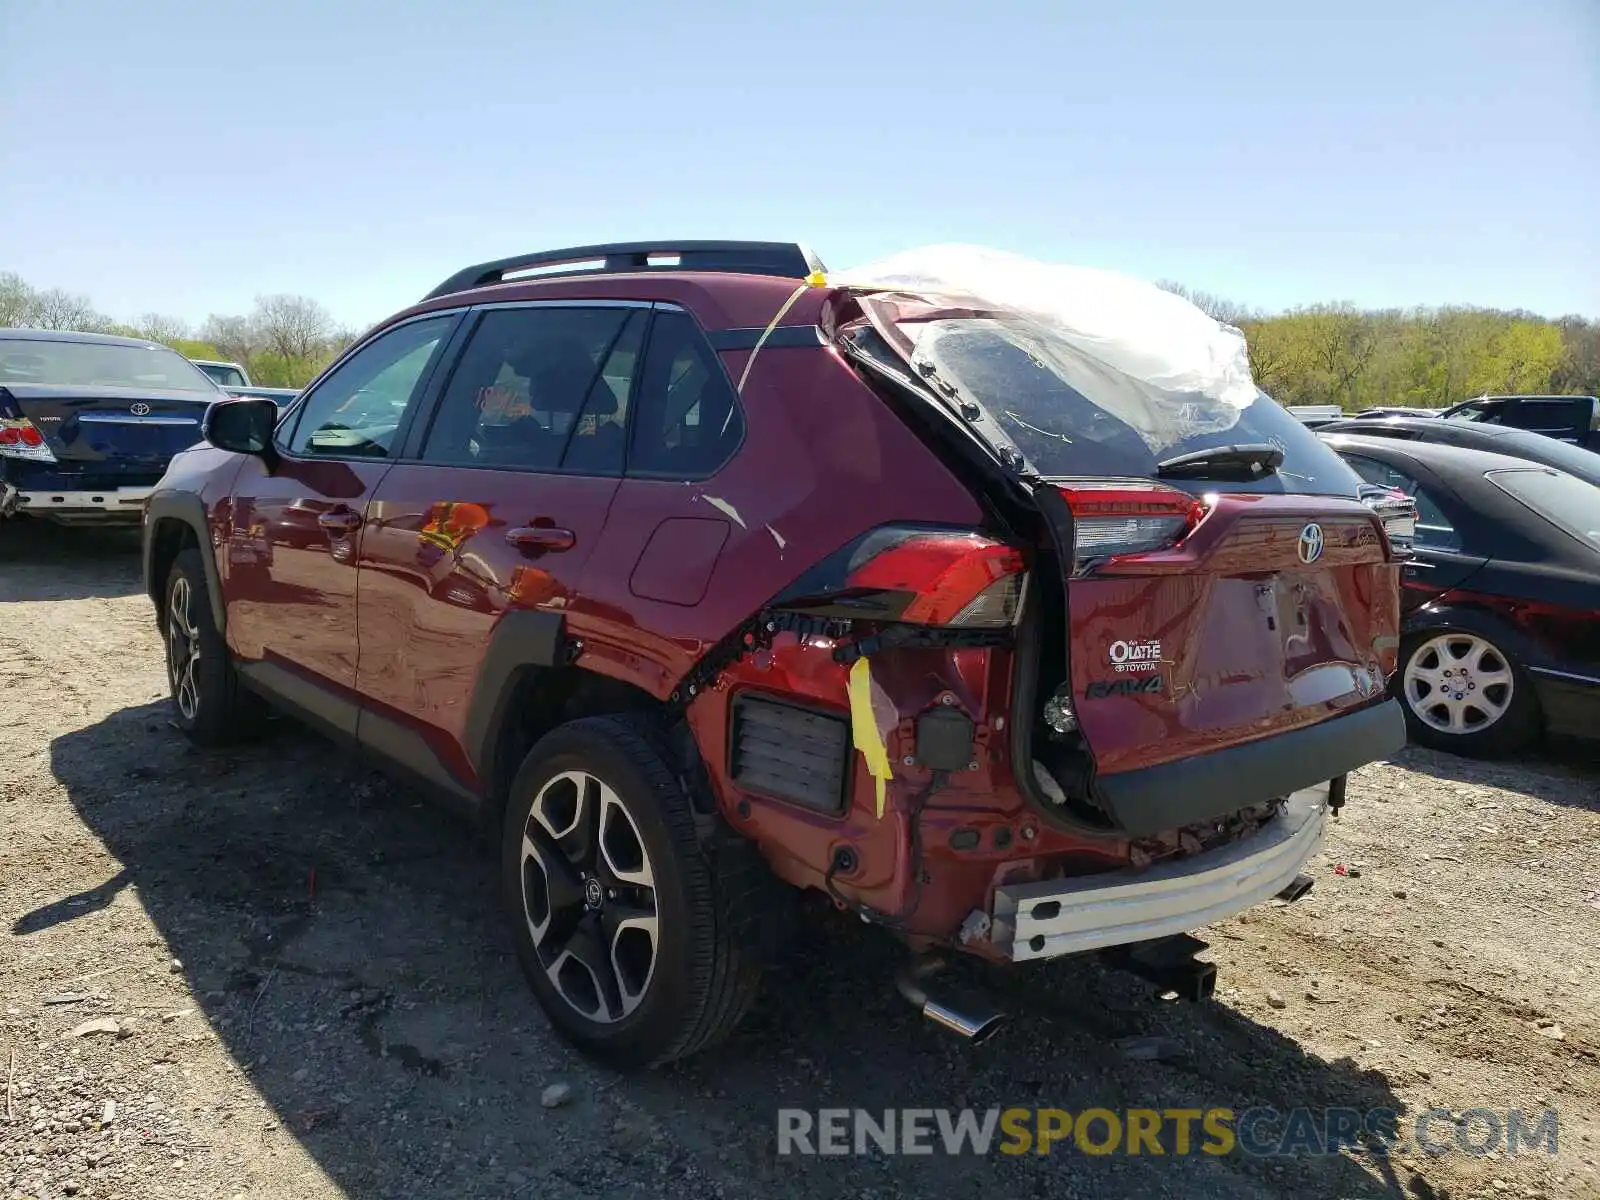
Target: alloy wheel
588	895
183	648
1458	683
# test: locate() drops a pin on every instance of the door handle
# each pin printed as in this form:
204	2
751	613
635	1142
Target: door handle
341	520
541	539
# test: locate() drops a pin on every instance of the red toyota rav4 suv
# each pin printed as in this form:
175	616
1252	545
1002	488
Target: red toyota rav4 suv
693	575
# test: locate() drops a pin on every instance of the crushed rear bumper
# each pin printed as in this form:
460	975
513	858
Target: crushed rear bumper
1116	908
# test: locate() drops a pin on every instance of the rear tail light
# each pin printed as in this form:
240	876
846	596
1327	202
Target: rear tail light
1398	512
958	579
1112	520
20	439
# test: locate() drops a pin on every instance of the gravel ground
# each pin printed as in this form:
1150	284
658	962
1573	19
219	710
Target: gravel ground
269	973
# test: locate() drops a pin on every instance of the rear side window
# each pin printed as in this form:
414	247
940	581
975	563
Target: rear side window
1556	417
1434	530
688	421
1569	504
1072	415
541	389
357	409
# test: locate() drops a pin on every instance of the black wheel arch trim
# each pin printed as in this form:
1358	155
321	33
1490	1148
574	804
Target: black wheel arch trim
190	510
523	640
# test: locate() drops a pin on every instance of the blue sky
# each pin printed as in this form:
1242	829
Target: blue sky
184	157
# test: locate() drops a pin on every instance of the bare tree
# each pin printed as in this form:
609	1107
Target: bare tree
296	327
234	337
1218	308
16	300
158	327
58	309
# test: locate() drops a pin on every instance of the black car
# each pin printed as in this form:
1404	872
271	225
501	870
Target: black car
1501	598
88	422
1495	439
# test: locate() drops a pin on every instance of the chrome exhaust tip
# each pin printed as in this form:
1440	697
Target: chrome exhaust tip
971	1018
976	1025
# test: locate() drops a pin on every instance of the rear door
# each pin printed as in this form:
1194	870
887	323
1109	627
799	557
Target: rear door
289	566
495	510
1440	559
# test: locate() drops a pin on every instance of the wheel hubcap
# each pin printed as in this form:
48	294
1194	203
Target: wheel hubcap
588	895
1458	683
183	649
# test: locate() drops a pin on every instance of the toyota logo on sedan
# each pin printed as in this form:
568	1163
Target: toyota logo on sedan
140	409
1311	543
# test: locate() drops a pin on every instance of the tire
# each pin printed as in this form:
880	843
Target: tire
599	792
1463	693
208	703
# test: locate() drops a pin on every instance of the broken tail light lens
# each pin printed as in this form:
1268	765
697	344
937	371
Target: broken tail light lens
958	579
19	438
1112	520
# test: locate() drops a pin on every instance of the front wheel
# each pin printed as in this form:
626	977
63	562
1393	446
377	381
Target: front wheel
640	934
209	705
1463	693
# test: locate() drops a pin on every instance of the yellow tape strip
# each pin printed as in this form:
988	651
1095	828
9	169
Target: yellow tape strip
864	730
813	280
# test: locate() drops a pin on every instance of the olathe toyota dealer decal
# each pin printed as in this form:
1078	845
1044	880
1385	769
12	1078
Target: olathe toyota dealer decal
1177	1132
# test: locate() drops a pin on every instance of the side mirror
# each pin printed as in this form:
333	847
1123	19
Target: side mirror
244	426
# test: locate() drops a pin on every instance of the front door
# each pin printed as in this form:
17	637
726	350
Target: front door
289	566
487	525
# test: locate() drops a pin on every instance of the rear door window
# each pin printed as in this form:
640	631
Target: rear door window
1555	417
543	388
1434	530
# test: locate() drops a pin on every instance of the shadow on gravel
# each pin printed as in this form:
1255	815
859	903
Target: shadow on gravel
40	560
1568	772
343	941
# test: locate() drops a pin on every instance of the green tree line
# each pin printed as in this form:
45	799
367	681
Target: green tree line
283	341
1419	357
1320	354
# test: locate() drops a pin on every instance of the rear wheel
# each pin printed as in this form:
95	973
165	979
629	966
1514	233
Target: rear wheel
641	941
208	703
1463	693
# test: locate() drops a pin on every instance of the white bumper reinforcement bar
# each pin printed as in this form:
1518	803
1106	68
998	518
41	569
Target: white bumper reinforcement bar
1092	912
110	500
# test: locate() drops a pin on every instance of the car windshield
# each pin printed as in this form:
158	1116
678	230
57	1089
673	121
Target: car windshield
1071	414
99	364
225	375
1566	502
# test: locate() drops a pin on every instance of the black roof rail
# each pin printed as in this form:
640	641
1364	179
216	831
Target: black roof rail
785	259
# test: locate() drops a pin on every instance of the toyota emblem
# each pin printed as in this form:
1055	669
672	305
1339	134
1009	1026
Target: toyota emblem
140	409
1311	543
